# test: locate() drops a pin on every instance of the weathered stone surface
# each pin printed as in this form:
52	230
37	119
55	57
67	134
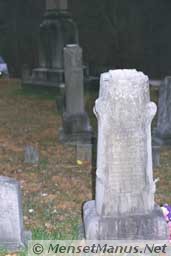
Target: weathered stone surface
124	177
31	155
149	226
124	167
162	134
12	235
74	79
76	125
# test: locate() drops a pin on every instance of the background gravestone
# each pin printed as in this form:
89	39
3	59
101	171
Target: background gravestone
31	155
162	134
76	125
124	206
12	234
84	154
56	30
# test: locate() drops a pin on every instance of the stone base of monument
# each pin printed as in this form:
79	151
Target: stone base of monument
45	77
150	226
76	129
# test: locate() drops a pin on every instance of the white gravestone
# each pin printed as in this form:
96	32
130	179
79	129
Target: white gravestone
12	234
124	206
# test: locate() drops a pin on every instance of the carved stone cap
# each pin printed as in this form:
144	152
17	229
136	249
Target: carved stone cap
126	83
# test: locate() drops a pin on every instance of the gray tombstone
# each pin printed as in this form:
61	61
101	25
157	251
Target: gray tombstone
12	234
56	30
124	206
162	134
76	125
31	155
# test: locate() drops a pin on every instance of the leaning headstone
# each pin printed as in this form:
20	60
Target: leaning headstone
124	206
12	234
76	125
31	155
162	134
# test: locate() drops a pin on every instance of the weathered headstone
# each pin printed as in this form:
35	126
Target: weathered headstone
12	234
124	206
76	125
162	134
56	30
31	155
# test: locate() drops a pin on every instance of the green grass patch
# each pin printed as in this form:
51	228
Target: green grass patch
36	93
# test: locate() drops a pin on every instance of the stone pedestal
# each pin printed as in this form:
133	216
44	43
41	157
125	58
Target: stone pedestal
56	30
162	134
124	206
149	226
76	125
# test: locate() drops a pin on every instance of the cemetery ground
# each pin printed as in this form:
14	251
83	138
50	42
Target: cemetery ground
54	190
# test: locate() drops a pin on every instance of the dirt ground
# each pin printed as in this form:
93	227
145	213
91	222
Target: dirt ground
53	191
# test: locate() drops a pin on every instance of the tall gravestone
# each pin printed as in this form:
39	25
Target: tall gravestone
56	30
12	234
124	206
76	125
162	134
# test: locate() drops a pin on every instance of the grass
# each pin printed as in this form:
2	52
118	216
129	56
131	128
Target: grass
51	202
36	93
